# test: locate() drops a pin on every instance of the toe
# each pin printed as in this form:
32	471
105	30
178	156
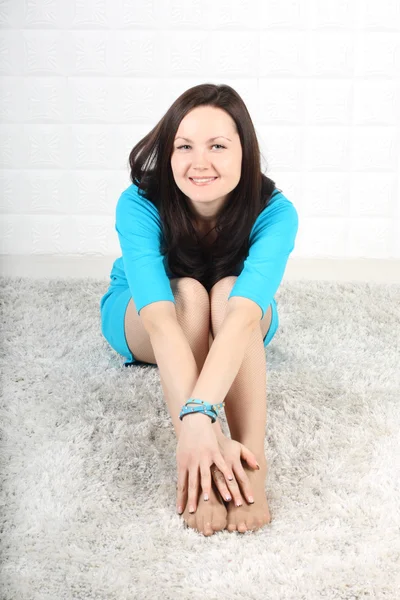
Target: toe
219	523
267	518
191	521
253	526
242	527
207	529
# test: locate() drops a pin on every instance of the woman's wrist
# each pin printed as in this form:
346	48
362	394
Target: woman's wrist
196	417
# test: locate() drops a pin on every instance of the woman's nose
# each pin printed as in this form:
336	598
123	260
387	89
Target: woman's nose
200	159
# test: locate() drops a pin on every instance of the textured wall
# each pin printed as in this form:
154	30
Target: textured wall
83	80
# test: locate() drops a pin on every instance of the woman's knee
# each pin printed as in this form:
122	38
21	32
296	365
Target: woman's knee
223	287
191	297
219	302
219	295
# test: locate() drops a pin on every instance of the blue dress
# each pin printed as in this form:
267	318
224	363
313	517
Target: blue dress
142	272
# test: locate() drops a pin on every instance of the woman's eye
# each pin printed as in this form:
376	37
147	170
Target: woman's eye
187	146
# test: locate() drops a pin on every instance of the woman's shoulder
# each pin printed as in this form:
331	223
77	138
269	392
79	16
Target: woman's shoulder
278	209
132	198
134	212
276	203
135	194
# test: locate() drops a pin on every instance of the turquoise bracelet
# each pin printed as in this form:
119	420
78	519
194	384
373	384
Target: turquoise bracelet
211	410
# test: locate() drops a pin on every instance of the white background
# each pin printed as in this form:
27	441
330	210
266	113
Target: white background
83	80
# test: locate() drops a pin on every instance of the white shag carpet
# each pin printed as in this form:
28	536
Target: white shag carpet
88	470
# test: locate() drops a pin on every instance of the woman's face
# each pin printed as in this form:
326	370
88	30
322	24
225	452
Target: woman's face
204	158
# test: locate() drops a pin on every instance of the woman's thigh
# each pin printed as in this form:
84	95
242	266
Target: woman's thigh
136	336
123	328
114	307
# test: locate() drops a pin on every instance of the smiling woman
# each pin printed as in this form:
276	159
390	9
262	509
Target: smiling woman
205	238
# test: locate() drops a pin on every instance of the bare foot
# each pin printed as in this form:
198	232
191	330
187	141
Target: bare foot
210	516
250	517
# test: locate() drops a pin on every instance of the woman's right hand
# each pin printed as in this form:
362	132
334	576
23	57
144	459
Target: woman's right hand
234	452
197	450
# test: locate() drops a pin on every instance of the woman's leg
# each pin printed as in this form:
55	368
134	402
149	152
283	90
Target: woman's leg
246	401
246	410
193	314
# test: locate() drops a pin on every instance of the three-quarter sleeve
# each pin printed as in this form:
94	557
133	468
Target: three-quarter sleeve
139	231
272	239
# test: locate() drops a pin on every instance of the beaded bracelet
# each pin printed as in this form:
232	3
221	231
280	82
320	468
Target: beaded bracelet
211	410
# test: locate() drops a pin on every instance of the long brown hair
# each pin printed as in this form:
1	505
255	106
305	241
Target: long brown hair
150	164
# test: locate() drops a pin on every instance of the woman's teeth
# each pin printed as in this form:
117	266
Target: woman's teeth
202	181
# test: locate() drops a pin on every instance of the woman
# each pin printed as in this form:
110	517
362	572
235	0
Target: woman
205	238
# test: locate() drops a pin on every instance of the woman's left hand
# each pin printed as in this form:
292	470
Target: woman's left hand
233	452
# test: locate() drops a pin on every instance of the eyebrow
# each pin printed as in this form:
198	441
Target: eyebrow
210	140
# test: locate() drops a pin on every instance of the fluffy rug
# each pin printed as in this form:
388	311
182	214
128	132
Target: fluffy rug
88	456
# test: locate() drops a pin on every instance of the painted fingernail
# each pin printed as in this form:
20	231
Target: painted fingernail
238	504
228	498
230	478
180	510
205	496
251	499
191	509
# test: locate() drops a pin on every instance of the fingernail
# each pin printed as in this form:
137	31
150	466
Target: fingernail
180	510
205	496
258	466
251	499
238	504
230	478
228	498
191	509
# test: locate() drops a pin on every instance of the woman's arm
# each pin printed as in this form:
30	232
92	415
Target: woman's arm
226	353
181	381
179	370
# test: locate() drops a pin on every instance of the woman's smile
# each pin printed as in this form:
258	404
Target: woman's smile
201	182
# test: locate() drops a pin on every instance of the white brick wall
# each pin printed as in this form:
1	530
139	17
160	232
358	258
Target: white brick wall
83	80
